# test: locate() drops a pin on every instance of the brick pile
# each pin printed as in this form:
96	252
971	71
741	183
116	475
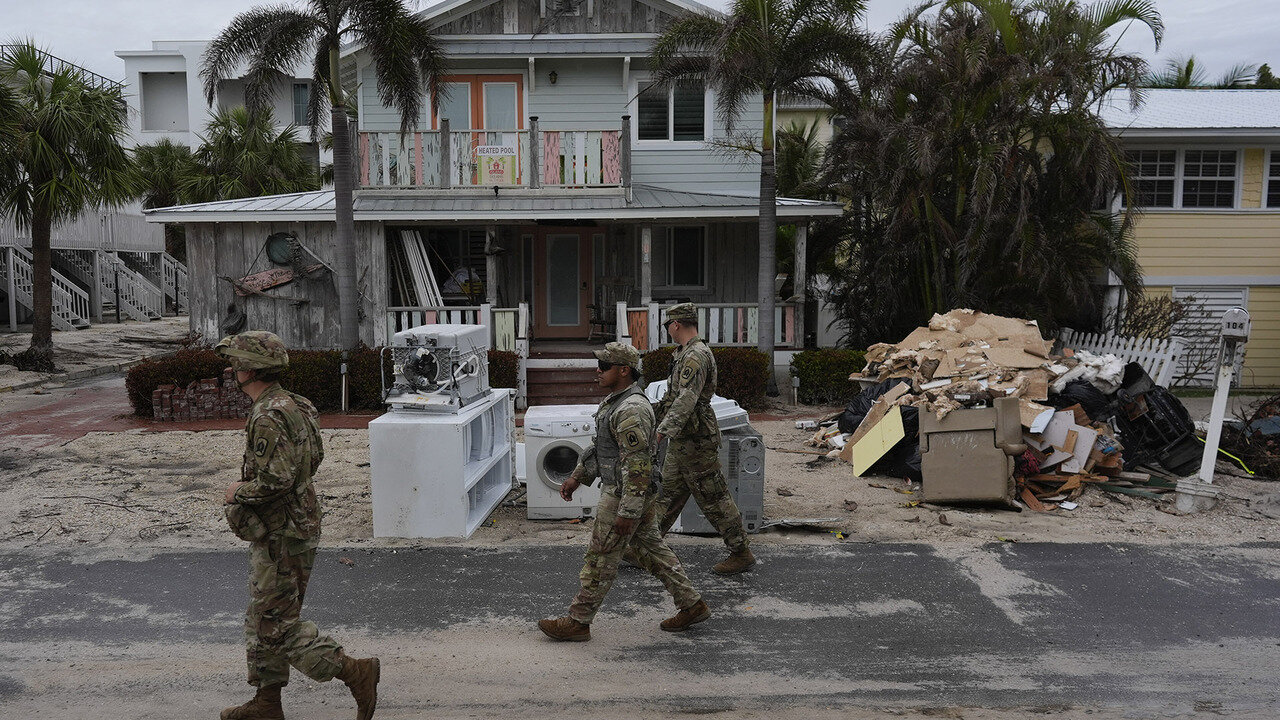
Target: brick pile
207	399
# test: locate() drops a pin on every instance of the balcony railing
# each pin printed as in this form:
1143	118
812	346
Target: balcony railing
532	158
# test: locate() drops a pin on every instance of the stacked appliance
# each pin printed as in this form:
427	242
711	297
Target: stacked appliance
554	438
741	461
442	458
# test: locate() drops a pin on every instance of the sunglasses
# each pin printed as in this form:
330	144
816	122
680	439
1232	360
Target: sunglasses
604	366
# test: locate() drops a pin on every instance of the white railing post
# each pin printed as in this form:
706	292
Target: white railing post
654	329
624	327
485	317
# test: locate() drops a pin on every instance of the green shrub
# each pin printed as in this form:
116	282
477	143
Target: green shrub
314	374
743	373
180	368
824	375
504	369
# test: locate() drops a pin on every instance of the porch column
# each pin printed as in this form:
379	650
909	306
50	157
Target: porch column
646	264
445	177
801	280
535	150
95	287
12	289
491	264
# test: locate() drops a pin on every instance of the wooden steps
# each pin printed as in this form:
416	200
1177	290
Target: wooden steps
563	386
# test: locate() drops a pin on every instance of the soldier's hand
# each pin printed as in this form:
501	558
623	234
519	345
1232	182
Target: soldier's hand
657	438
230	497
624	526
567	488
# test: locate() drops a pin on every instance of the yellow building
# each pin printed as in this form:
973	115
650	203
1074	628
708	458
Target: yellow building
1206	169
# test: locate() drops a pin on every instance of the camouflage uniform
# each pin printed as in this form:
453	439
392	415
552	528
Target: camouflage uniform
621	457
282	451
692	463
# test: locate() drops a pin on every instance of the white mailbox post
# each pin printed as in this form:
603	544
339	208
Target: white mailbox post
1197	493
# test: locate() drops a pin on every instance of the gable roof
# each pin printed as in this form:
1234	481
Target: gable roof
649	202
1195	113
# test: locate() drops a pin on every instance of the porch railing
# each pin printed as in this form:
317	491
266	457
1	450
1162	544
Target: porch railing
509	328
720	324
530	158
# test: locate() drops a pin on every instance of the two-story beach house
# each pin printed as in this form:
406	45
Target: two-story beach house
552	194
1206	167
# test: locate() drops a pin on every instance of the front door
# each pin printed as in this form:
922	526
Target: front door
562	283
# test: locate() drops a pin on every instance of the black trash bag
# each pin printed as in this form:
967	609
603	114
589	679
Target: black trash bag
903	459
1083	393
860	405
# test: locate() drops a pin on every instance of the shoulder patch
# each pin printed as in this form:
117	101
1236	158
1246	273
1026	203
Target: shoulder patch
631	439
260	447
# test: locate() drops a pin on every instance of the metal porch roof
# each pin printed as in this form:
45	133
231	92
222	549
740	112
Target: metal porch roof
1194	113
649	202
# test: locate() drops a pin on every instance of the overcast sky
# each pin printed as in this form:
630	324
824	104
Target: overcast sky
1220	33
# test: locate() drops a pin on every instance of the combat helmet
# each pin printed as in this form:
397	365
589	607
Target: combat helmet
254	350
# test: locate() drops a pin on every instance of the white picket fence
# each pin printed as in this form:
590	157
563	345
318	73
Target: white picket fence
1160	358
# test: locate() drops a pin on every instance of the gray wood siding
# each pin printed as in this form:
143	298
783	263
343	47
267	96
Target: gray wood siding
609	16
695	169
234	250
588	94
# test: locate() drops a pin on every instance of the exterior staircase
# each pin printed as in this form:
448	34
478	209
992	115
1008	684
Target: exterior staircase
139	299
70	303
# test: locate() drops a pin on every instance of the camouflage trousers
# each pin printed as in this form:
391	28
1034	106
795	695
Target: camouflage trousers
275	637
600	566
692	467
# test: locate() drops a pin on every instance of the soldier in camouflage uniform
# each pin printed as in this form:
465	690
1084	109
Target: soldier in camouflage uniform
275	508
622	457
692	463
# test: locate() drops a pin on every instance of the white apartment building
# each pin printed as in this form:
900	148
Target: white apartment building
166	95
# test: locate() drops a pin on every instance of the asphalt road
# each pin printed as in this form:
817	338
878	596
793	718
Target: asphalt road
1059	630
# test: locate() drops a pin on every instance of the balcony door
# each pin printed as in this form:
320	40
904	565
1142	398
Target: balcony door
489	109
562	283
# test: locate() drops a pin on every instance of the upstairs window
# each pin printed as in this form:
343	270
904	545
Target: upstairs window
675	113
1209	179
301	98
1273	180
1153	174
1183	179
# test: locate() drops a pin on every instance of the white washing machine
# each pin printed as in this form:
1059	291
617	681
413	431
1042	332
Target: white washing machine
554	438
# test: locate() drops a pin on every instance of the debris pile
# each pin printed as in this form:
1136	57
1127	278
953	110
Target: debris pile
1085	420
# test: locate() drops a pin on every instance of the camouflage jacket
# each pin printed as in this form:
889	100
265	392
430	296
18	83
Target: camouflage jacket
281	454
685	411
622	453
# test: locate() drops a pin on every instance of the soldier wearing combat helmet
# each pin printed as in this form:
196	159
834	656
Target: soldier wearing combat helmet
274	507
692	463
622	457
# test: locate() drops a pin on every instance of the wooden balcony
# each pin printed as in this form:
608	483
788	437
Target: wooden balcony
720	325
531	158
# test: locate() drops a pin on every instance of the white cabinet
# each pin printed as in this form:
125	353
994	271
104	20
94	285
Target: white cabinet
440	475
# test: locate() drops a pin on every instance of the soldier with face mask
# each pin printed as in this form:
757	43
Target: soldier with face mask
274	507
628	512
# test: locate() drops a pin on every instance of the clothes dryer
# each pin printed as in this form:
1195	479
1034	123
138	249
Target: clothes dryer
554	438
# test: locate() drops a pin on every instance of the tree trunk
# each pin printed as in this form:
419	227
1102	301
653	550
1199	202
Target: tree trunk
768	239
343	182
42	285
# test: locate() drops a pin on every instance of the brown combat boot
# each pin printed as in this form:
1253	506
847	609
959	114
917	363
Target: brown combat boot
691	615
361	678
265	705
565	628
737	562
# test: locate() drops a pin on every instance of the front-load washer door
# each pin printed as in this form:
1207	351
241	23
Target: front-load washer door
556	462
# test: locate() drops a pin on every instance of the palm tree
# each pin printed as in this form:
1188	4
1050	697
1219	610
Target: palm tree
63	154
757	50
981	170
270	41
161	169
241	155
1186	73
